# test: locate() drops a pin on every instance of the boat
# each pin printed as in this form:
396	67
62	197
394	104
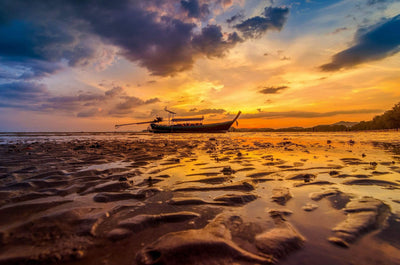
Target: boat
186	125
183	127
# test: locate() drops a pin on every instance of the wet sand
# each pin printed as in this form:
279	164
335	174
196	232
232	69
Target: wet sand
200	199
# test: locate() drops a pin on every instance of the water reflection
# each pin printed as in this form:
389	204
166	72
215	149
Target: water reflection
285	196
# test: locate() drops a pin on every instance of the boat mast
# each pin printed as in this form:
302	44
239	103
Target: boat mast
170	115
156	120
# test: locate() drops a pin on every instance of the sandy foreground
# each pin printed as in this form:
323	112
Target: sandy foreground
200	199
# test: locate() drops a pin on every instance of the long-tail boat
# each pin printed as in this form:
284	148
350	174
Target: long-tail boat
186	125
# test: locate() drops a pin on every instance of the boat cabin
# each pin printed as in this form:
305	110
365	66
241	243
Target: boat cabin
187	121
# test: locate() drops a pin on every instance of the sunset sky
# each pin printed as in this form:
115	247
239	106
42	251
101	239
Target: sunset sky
87	65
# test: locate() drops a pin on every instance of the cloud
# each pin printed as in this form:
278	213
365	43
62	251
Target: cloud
209	111
273	18
212	43
161	44
154	33
380	4
194	9
151	101
306	114
22	91
129	104
225	3
272	90
336	31
374	2
34	96
235	18
79	98
114	91
26	95
370	44
88	99
37	48
195	111
90	113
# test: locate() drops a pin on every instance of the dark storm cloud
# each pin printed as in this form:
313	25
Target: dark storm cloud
160	44
253	27
81	102
19	38
194	9
23	95
306	114
7	75
37	40
112	101
78	98
277	16
36	97
272	90
28	68
34	69
89	98
211	41
235	17
370	44
146	32
32	42
22	91
273	18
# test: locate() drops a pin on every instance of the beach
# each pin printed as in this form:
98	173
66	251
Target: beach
234	198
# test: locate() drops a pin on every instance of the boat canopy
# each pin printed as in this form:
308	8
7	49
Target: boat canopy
188	119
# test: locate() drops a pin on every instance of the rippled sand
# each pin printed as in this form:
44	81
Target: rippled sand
200	199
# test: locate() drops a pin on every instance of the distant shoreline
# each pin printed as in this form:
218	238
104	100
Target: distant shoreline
255	130
308	130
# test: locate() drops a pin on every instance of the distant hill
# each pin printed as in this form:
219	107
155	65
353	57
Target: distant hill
346	123
333	127
388	120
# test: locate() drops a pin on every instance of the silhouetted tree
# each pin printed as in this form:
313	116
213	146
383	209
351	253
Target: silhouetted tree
388	120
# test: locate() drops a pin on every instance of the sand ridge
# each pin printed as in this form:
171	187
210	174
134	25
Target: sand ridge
162	196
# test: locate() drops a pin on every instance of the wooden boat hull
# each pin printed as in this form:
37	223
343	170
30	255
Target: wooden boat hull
207	128
202	128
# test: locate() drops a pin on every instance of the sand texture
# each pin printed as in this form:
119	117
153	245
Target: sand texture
230	198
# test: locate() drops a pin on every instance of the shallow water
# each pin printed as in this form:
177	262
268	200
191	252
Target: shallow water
126	198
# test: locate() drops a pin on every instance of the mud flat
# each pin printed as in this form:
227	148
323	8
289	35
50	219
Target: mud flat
200	199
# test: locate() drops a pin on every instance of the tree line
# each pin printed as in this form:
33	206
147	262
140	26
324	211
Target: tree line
388	120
